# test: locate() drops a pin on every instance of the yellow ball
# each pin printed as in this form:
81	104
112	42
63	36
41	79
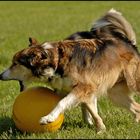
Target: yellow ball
31	105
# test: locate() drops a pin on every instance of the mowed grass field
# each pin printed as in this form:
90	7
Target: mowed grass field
54	21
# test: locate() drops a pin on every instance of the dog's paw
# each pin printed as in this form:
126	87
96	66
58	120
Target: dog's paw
101	129
137	118
90	120
47	119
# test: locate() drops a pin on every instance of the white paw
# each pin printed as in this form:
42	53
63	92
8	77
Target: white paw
47	119
89	121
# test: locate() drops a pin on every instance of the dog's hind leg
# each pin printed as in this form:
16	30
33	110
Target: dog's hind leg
86	114
136	107
92	108
87	117
122	96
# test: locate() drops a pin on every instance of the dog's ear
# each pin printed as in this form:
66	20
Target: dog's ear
33	42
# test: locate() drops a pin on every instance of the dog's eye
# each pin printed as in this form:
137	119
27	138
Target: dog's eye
44	55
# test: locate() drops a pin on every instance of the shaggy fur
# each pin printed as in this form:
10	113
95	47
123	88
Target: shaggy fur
85	69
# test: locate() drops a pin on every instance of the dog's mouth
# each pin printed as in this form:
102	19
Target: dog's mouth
22	87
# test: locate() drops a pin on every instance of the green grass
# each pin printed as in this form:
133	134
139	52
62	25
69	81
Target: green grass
55	21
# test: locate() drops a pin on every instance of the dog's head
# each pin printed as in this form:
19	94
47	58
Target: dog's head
34	62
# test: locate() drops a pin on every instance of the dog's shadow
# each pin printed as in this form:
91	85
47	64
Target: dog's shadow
7	126
76	124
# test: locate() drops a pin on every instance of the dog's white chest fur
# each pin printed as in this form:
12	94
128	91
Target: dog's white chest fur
61	85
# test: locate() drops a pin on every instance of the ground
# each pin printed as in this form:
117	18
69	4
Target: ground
54	21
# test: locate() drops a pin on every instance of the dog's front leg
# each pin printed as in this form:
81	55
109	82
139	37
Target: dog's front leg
80	93
66	103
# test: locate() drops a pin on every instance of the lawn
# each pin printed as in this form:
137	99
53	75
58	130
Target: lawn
55	20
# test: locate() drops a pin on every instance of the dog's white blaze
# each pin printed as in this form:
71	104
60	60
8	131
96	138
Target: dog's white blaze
6	74
47	45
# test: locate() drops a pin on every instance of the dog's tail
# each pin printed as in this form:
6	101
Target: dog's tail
114	23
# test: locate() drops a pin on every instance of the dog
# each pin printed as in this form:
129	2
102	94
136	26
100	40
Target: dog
84	69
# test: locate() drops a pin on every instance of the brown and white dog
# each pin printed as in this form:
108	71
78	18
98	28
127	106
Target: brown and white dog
84	69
